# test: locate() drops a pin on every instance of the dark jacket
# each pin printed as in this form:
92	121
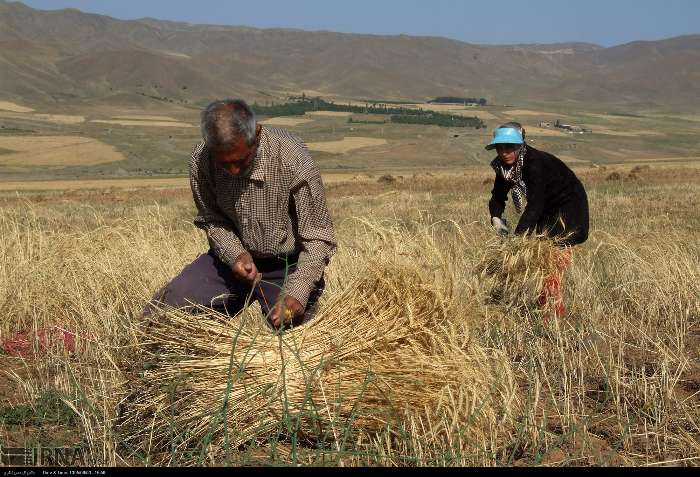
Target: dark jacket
556	200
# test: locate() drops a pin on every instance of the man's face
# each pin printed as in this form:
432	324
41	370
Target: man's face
236	159
508	153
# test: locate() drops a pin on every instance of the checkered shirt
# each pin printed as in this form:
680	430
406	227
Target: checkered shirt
277	208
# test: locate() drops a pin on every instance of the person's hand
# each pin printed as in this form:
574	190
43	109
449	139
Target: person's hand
285	311
244	269
501	225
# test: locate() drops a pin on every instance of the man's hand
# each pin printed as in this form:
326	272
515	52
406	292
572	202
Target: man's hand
285	311
244	269
501	225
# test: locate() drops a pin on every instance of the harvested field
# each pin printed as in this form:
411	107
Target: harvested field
138	117
8	106
609	117
99	184
51	118
619	153
571	159
626	133
347	144
60	118
651	160
687	117
515	113
484	115
136	183
286	121
56	151
429	348
537	131
161	124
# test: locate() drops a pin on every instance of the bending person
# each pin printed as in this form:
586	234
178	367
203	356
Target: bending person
262	204
547	194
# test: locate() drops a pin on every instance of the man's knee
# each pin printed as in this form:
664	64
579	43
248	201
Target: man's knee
202	283
173	295
185	296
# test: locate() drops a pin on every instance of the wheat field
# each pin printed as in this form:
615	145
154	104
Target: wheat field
142	123
428	348
56	151
346	144
10	106
64	119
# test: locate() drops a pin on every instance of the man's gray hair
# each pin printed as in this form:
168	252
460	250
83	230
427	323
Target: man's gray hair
514	125
225	121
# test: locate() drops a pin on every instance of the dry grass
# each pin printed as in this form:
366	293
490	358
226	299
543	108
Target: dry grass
513	270
387	351
483	115
686	117
572	160
346	144
136	183
67	185
160	124
51	118
625	133
59	118
143	117
537	131
425	315
56	151
9	106
515	113
286	121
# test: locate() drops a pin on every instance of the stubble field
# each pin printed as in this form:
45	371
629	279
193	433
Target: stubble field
156	141
428	349
614	383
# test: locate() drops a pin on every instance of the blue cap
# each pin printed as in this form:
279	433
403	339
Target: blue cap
505	136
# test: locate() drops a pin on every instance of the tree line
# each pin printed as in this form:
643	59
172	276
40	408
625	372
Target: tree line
302	105
458	100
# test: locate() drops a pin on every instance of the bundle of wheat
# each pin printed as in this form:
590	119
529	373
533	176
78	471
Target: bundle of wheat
387	351
512	270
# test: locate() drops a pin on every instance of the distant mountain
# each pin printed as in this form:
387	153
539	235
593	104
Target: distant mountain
68	55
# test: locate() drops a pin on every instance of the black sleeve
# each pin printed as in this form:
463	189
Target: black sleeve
499	196
535	182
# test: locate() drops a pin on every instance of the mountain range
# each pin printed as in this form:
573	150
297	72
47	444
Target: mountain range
71	57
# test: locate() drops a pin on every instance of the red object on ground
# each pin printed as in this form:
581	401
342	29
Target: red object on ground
24	344
552	284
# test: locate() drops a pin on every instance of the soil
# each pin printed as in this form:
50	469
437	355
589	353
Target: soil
27	435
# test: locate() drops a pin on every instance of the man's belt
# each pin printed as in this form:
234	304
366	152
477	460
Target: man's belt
279	262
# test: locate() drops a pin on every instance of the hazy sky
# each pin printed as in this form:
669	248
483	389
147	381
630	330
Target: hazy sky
605	22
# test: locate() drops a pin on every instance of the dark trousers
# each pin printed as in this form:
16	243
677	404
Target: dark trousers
569	220
209	282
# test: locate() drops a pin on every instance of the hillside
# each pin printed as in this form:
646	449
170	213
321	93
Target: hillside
50	56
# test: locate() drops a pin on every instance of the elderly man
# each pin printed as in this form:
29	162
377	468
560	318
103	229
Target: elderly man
261	202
